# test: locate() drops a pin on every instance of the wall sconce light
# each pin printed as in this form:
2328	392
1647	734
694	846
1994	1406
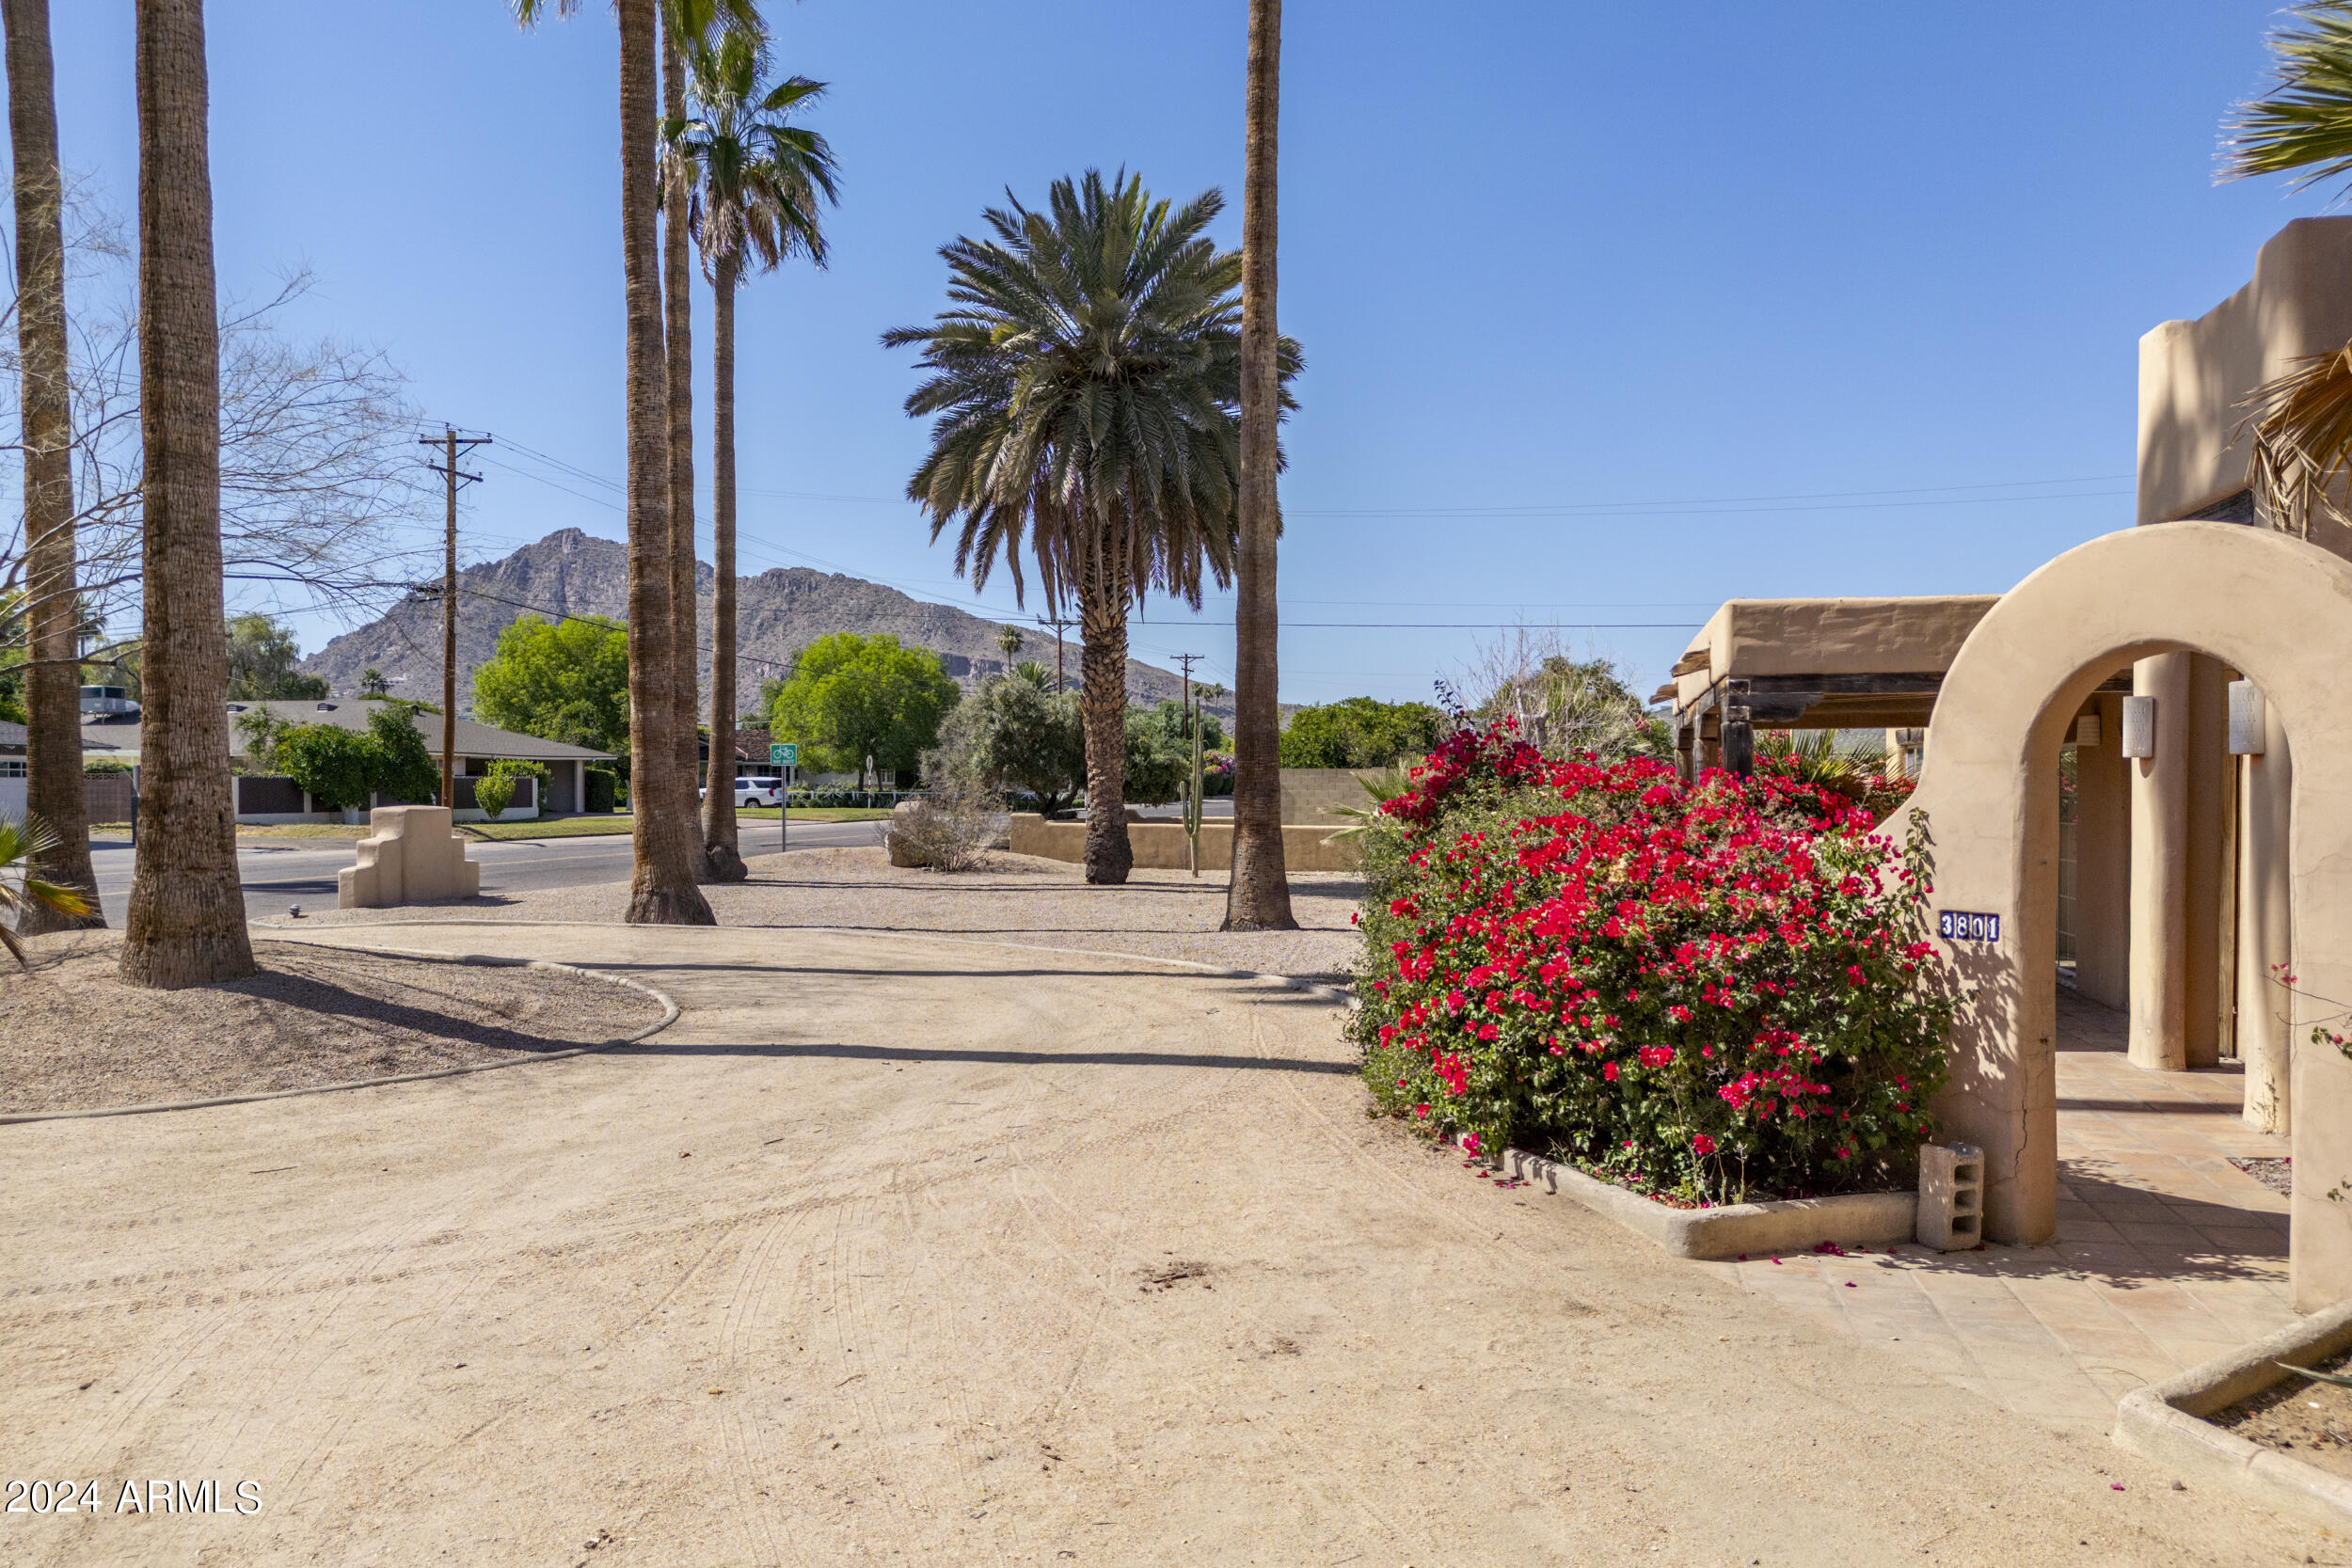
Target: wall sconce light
2246	719
2139	726
2086	732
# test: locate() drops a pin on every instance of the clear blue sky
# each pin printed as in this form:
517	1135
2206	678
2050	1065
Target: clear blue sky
1592	261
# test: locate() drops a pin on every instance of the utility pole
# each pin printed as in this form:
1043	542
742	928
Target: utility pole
1192	780
448	443
1057	621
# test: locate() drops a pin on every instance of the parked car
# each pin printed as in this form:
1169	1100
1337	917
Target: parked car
753	792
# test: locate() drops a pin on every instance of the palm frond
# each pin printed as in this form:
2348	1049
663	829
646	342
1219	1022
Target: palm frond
24	841
2303	125
2300	427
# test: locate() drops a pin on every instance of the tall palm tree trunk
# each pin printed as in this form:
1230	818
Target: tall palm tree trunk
1103	706
678	298
186	924
720	843
53	747
1259	895
662	795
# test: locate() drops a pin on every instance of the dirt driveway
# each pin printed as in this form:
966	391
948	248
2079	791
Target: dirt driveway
907	1249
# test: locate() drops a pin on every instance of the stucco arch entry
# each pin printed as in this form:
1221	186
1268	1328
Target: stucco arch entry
2278	610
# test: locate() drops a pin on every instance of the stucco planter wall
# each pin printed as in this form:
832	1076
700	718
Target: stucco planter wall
2165	1421
1160	845
1733	1229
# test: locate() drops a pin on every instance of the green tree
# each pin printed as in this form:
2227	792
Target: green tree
1085	380
561	680
262	659
1013	734
851	697
1170	725
1359	732
754	183
334	765
406	767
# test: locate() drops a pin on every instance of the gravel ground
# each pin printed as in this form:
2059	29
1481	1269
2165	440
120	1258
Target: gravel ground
80	1039
2313	1419
1160	914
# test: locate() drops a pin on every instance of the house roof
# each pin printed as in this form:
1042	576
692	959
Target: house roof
101	740
473	740
1858	663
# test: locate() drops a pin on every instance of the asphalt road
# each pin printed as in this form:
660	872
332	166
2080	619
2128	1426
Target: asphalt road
302	871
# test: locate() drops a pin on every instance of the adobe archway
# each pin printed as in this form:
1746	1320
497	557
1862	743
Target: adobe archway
2276	607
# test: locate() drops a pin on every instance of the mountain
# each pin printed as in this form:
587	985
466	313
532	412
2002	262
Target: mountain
777	613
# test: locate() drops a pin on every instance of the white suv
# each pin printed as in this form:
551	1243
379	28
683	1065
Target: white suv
756	792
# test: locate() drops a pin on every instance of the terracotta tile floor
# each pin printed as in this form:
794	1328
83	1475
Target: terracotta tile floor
2167	1254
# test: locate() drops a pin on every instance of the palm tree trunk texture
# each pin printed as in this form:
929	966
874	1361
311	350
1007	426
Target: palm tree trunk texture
720	843
662	795
677	294
186	924
54	736
1103	704
1259	896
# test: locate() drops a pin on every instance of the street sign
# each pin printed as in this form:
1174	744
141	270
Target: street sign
785	754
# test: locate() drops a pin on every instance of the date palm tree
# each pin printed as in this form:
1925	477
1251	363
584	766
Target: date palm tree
754	184
662	889
1085	381
52	763
187	921
1257	895
2301	421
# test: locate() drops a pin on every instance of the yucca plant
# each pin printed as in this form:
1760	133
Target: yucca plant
1818	757
23	842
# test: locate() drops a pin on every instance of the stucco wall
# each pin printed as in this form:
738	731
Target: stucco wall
1160	845
2192	374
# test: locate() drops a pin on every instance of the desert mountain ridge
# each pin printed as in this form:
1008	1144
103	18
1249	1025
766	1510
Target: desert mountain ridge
777	613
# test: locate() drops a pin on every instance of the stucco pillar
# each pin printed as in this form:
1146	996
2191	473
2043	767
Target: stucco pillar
2264	1037
2103	861
2209	819
2160	870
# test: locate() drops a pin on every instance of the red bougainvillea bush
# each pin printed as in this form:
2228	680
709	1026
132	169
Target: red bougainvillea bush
1710	991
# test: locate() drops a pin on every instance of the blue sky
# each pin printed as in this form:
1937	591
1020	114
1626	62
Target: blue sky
1867	280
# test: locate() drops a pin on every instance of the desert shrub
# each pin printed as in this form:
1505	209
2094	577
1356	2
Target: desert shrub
492	792
1217	773
1708	991
948	829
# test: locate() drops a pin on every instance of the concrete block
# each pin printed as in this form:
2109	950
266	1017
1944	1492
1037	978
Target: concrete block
412	856
1951	1196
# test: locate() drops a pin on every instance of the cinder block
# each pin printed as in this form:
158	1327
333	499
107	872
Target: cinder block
1951	1196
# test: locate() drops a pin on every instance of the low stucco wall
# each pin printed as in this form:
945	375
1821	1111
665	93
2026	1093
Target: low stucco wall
1160	845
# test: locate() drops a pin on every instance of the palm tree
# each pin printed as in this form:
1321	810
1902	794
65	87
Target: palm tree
2301	421
684	24
1257	895
1086	378
1010	640
23	890
53	720
186	923
754	183
661	888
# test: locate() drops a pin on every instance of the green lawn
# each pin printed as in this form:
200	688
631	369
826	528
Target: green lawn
544	827
553	826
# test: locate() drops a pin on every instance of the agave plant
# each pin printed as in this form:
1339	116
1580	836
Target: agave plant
1386	787
22	842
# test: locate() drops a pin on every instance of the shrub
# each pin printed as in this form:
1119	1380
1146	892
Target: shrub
1359	732
948	829
1710	991
334	765
492	792
600	789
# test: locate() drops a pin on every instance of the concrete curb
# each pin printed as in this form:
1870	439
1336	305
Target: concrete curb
2164	1422
1338	994
1734	1229
668	1016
